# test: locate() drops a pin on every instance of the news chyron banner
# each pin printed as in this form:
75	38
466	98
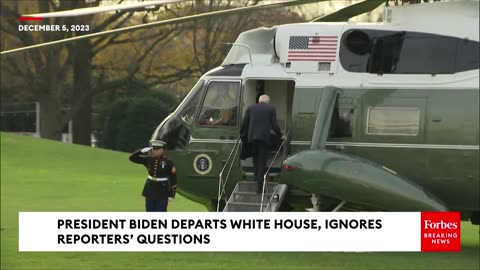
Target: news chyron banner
211	231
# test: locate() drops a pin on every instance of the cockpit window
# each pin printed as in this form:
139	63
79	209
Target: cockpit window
220	107
188	107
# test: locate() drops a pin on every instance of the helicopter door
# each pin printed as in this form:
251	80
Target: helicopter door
217	127
281	97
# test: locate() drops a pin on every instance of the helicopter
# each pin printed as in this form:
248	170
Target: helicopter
381	117
378	116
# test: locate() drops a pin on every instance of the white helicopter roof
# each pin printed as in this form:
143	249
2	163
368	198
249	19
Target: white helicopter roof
455	18
279	52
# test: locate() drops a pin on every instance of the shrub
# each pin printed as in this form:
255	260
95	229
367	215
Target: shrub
132	121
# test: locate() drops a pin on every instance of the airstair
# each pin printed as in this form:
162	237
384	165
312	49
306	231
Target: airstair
244	197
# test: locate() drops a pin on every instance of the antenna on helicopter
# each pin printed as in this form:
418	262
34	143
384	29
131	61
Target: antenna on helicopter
243	45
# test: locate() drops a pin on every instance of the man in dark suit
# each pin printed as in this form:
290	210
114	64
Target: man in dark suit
259	119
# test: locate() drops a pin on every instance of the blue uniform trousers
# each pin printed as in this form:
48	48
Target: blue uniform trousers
156	205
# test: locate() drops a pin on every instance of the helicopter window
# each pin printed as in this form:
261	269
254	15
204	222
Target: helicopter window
401	52
419	54
189	106
220	107
467	55
393	121
342	118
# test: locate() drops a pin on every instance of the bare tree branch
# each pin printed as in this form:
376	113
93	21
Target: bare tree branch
17	70
52	4
196	53
10	30
110	21
169	78
11	17
112	40
65	66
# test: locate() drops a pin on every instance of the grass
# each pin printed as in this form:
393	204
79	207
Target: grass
41	175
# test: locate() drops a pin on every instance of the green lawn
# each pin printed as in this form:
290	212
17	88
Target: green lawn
40	175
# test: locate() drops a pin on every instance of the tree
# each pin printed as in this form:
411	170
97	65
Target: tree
70	75
42	70
63	73
201	44
132	120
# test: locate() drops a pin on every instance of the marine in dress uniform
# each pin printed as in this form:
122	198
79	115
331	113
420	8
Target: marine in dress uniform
161	183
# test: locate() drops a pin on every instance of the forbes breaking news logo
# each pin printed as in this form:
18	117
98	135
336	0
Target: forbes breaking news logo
440	231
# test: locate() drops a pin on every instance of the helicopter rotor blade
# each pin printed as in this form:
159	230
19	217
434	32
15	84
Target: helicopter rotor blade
95	10
346	13
167	22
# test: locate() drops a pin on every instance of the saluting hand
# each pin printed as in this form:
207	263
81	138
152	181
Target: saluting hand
146	149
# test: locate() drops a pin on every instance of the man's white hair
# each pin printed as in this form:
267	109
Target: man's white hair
264	99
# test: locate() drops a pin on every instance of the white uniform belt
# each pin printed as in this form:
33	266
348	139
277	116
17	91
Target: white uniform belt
158	178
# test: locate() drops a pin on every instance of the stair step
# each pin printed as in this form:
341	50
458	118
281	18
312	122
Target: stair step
251	186
245	203
243	207
251	197
245	199
273	172
251	193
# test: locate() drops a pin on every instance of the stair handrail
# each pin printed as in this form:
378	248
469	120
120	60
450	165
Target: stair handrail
228	174
221	188
269	167
270	200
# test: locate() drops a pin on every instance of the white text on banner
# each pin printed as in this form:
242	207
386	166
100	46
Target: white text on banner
136	231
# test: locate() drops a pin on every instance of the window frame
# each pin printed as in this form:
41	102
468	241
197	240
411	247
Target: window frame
202	101
367	121
341	103
198	87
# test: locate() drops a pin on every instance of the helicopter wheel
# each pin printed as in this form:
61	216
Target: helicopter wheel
325	204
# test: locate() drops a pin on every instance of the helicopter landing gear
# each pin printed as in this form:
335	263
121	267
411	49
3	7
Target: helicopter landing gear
325	204
339	206
315	203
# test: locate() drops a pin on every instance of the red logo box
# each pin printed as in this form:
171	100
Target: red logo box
440	231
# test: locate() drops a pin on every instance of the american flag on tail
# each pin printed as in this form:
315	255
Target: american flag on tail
312	48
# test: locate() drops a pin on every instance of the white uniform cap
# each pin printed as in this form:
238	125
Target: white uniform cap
157	143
